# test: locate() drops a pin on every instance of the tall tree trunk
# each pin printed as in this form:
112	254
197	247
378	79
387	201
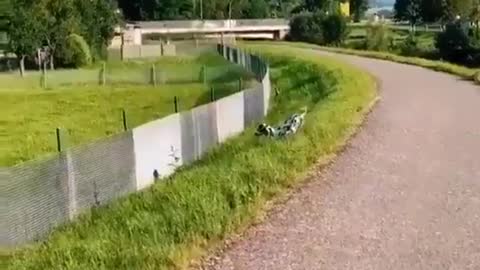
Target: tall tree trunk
478	29
22	65
52	66
39	59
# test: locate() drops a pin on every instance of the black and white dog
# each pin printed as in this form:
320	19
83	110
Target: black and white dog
290	126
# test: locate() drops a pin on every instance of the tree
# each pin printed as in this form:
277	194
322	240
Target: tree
97	20
307	27
312	6
59	21
358	8
454	44
400	9
461	8
475	17
77	51
447	12
257	9
283	8
335	29
5	11
141	10
431	10
131	9
413	13
24	30
408	10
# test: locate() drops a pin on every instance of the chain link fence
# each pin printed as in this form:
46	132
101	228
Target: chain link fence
39	195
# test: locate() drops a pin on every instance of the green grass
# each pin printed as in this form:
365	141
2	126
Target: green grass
461	71
87	111
171	223
357	35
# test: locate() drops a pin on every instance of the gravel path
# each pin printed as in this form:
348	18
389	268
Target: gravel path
404	195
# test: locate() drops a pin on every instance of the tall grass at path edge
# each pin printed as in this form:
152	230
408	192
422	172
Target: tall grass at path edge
177	220
471	74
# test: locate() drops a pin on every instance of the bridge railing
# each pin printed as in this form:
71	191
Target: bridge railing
211	23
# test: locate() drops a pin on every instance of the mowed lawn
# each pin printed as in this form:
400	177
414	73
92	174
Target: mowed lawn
88	111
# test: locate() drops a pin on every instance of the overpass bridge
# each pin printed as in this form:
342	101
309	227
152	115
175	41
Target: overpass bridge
262	28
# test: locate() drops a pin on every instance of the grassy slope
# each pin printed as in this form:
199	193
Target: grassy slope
167	225
357	35
88	111
461	71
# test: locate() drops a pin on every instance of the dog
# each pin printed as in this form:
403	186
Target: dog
289	127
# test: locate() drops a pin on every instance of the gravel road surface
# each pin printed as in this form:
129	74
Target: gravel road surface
404	195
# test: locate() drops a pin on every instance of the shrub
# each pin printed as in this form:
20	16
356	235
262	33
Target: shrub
476	77
378	38
456	45
307	27
76	51
410	46
335	29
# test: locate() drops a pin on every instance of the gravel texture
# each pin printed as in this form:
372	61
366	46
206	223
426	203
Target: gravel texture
404	195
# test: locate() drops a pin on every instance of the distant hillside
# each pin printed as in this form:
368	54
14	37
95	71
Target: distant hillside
381	3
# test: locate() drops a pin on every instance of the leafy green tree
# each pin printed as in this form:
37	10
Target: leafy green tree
159	9
257	9
409	10
455	44
97	20
131	10
461	8
171	10
5	10
358	8
24	30
312	6
59	20
335	29
77	51
414	13
475	17
215	9
307	27
283	8
431	10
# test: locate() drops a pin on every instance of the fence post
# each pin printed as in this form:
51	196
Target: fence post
240	84
59	140
103	73
44	75
124	119
39	57
204	74
212	94
153	75
175	103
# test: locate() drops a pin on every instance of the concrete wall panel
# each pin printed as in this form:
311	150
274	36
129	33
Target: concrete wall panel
151	51
205	124
230	116
254	106
158	146
187	137
267	91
